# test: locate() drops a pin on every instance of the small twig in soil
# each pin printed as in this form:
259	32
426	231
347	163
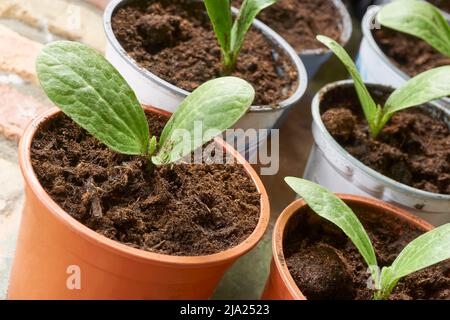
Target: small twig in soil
159	245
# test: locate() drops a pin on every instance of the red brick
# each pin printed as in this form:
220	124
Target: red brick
18	54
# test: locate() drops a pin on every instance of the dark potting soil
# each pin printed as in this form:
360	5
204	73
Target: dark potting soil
408	53
442	4
300	21
413	148
175	40
327	266
182	209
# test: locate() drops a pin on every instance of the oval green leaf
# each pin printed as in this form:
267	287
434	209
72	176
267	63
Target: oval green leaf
219	11
369	106
216	105
247	13
90	91
425	87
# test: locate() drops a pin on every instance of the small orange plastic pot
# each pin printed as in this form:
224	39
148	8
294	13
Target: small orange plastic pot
280	285
57	257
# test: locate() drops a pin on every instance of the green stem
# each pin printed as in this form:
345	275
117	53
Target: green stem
153	145
150	165
380	122
385	292
228	63
381	295
375	132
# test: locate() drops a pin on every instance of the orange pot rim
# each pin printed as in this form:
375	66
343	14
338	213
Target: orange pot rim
121	249
289	211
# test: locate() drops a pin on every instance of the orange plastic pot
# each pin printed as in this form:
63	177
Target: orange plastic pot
57	257
280	285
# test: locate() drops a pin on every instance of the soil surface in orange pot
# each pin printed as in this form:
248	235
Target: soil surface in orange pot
175	40
408	53
183	209
326	265
300	21
413	148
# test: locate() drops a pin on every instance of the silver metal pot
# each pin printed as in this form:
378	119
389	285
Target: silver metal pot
154	91
373	64
332	166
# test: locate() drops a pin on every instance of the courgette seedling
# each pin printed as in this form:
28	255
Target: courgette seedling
420	19
425	87
231	35
426	250
90	91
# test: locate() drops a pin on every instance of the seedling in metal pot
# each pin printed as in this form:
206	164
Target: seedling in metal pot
425	87
90	91
426	250
420	19
231	35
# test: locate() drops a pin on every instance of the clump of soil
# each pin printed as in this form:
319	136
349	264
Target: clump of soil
182	209
175	40
322	272
413	148
327	266
300	21
408	53
160	31
442	4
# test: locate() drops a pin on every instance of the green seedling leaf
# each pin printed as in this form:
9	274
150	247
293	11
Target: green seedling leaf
371	111
92	93
217	105
329	206
231	35
427	86
219	11
153	146
420	19
428	249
